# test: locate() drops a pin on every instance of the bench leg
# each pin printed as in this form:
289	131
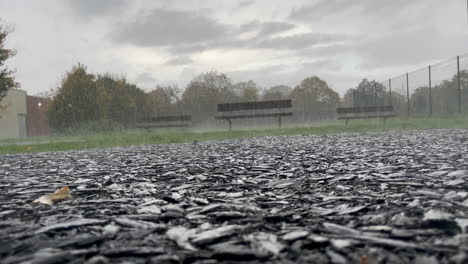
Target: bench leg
230	124
279	121
346	122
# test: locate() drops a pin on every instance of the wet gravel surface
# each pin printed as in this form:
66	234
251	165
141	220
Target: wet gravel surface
396	197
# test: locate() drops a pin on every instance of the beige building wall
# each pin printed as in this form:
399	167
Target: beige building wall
13	114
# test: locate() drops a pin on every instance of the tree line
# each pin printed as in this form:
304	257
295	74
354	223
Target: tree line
106	101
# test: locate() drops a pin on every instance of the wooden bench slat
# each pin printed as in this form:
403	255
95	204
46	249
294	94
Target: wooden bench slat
160	126
165	121
364	109
232	108
167	118
379	111
276	104
364	117
254	116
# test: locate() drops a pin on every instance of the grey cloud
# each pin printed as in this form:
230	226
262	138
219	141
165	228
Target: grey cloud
270	28
90	8
179	60
274	73
404	32
397	49
189	48
250	26
164	27
326	8
295	43
394	7
183	32
409	48
321	8
328	50
300	41
265	29
386	15
322	64
245	3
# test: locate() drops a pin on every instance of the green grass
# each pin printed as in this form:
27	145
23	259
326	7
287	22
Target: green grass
139	137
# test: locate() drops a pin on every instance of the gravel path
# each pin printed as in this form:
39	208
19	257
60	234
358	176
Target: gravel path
396	197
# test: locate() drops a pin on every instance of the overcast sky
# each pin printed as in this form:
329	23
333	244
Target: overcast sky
269	42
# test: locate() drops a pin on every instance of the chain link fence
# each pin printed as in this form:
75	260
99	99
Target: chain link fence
437	90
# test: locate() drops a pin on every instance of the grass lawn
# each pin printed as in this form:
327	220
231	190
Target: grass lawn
104	140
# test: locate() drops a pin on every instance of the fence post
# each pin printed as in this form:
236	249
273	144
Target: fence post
375	93
430	91
459	84
390	89
407	94
363	100
354	98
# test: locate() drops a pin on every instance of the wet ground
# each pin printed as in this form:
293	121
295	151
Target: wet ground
395	197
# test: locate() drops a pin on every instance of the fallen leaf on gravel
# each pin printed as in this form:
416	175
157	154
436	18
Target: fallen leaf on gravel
60	194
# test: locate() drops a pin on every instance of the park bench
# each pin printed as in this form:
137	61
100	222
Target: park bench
165	121
348	113
243	110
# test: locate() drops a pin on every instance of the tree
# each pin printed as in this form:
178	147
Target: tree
205	92
349	98
367	93
164	100
444	96
373	93
419	100
91	102
75	101
277	93
315	99
122	102
7	81
246	91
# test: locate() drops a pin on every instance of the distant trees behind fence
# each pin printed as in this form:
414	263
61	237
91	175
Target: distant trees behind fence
440	89
441	98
